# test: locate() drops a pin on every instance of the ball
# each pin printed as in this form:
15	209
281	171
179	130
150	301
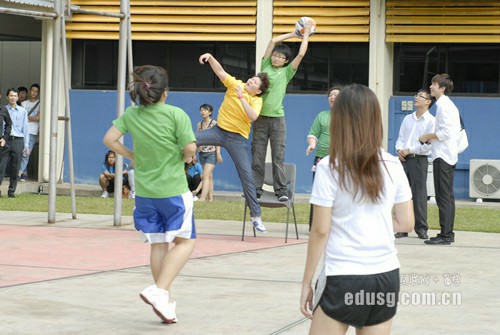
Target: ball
301	23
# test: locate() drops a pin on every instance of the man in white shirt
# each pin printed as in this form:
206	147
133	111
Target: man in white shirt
32	106
413	156
445	156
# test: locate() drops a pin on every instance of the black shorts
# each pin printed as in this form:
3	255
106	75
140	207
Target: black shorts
361	300
111	185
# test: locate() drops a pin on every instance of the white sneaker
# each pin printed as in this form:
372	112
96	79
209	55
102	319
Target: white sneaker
195	198
105	194
159	299
257	223
148	293
131	195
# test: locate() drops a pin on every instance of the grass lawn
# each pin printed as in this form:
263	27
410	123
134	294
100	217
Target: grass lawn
467	218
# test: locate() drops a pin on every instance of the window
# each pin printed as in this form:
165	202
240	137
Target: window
474	68
94	64
325	64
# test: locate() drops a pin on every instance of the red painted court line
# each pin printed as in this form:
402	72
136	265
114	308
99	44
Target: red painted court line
32	254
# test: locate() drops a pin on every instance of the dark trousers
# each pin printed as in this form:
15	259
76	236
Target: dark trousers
273	130
193	182
13	151
445	199
416	171
237	147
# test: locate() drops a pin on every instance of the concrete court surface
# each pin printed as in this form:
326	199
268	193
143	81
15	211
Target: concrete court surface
83	277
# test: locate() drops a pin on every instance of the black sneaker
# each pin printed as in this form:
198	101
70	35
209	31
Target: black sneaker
438	240
283	198
11	195
450	239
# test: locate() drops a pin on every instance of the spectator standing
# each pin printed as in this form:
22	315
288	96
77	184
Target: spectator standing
5	128
209	155
22	95
17	143
32	106
414	157
444	156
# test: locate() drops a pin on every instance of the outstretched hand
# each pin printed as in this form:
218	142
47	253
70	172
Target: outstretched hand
308	28
309	149
205	58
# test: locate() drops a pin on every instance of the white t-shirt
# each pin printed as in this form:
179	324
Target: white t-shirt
32	126
361	239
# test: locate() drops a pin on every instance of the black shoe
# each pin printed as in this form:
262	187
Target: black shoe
282	198
11	195
400	235
423	236
438	240
451	239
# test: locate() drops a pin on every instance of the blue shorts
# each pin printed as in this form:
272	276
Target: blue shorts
162	220
207	157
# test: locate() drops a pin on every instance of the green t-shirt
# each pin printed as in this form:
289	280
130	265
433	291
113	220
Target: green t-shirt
321	130
159	133
279	77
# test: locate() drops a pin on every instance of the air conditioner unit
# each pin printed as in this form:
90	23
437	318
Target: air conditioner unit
484	179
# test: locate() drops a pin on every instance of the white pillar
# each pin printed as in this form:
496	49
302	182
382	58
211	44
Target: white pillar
46	107
264	35
46	92
381	62
264	30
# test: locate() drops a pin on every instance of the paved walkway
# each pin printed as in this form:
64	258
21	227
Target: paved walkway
83	277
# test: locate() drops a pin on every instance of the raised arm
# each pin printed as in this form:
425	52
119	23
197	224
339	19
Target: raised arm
303	46
277	39
215	65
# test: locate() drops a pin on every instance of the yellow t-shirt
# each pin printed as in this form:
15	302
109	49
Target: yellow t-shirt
231	115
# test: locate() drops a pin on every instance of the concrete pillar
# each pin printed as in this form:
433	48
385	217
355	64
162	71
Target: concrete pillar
46	107
381	58
264	35
264	30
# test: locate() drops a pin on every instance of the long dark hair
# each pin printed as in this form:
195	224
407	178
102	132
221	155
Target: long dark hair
106	158
355	139
148	84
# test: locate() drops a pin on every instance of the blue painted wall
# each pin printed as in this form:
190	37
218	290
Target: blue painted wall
93	111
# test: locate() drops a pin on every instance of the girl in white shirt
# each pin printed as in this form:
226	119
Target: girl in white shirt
356	190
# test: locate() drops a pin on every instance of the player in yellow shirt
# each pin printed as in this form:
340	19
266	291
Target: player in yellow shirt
241	105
